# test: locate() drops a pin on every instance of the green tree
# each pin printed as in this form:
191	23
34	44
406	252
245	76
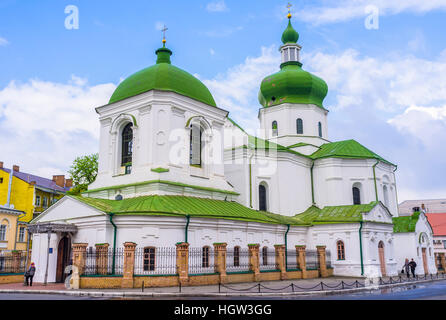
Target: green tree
83	172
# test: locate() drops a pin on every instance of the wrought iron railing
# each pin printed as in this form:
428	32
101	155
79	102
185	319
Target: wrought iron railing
155	261
267	259
10	263
311	259
107	262
237	259
201	260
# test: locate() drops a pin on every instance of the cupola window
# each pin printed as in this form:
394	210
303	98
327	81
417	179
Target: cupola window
356	195
320	129
262	198
196	145
300	126
275	129
127	148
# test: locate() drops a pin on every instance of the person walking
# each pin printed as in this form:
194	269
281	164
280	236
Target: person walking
406	267
412	265
30	274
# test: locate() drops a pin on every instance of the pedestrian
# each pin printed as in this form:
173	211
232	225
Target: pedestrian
30	274
412	265
406	268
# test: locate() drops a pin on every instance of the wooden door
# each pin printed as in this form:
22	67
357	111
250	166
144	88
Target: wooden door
382	258
426	269
63	258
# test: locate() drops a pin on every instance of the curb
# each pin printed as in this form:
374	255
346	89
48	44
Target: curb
99	294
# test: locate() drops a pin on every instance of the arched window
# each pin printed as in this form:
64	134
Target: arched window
300	126
341	250
205	257
237	256
275	129
265	256
356	195
149	258
319	125
386	196
262	198
127	148
196	145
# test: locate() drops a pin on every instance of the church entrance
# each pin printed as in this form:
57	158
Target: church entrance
63	258
426	269
382	258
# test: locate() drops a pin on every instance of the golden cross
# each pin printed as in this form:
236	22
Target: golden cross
164	33
289	7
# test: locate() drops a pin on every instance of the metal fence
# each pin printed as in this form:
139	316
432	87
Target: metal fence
11	264
312	259
155	261
291	260
328	259
267	259
237	259
201	260
110	262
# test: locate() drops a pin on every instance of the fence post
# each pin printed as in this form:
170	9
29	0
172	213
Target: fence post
301	260
79	255
183	263
220	260
16	259
102	258
322	261
254	260
280	260
129	264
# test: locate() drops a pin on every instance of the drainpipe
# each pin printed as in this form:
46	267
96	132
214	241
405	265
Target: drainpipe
374	179
312	184
250	180
114	241
360	248
8	201
286	246
186	230
47	258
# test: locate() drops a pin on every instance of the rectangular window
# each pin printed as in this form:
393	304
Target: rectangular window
45	202
1	180
22	234
37	201
2	233
444	244
292	54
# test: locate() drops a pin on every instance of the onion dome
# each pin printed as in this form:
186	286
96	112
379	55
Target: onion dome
292	84
163	76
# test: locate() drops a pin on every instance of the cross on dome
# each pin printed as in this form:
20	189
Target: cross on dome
164	33
289	10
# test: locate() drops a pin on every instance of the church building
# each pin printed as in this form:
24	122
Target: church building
174	167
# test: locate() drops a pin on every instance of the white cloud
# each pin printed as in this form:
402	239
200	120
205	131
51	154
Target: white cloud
3	42
211	51
236	90
222	32
159	25
345	10
217	6
45	125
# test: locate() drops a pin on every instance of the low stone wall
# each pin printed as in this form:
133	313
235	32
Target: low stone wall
100	282
155	281
12	278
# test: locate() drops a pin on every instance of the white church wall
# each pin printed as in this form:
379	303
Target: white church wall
286	115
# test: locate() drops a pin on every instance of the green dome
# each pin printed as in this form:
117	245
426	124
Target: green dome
165	77
290	35
292	85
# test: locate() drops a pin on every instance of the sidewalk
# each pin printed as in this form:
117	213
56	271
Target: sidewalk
330	285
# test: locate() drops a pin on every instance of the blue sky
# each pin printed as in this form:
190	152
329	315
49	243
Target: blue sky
387	87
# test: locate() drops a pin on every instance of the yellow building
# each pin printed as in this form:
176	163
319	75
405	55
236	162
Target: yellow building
23	197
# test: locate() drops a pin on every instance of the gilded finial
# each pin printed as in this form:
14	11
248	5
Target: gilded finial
289	10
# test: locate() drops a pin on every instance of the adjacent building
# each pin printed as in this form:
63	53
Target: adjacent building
24	196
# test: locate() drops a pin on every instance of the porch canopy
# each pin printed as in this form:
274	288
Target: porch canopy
51	228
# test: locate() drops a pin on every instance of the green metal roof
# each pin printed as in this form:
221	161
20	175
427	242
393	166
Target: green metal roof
335	214
292	85
346	149
164	77
290	35
405	224
157	205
